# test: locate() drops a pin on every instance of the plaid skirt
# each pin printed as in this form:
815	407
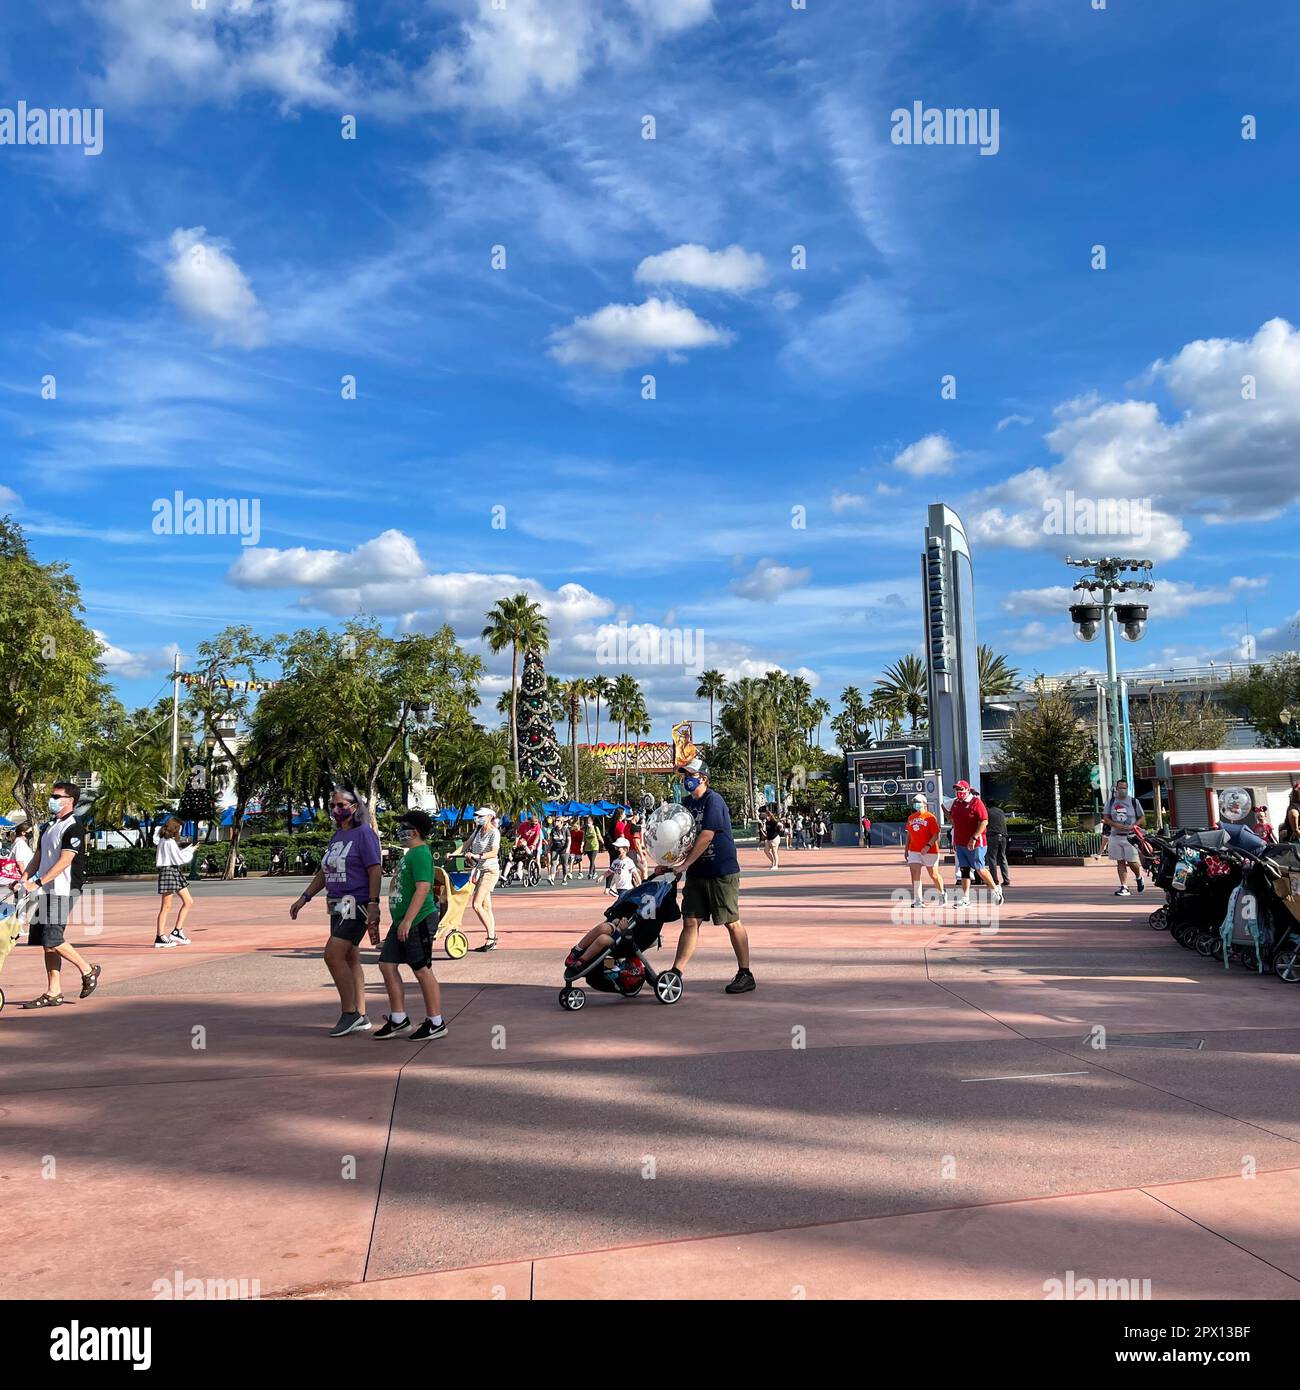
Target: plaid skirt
172	878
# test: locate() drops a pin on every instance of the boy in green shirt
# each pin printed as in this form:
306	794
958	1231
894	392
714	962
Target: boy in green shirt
414	910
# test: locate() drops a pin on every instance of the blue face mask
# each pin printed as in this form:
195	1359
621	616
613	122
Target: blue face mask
691	783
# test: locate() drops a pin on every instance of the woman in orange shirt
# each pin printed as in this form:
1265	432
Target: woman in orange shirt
923	849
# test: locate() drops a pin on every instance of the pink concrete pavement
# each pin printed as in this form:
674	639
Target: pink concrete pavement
906	1107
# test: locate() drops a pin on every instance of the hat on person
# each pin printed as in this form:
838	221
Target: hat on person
961	786
696	766
620	843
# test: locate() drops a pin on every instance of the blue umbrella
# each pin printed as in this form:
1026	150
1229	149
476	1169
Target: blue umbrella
4	820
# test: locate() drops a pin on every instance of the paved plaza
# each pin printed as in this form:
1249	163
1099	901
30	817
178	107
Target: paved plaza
900	1110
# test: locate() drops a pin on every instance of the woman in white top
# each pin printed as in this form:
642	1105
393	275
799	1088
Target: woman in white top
481	855
172	862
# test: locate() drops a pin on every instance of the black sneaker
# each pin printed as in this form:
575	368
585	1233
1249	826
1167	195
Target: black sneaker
429	1029
350	1023
742	984
1141	885
391	1029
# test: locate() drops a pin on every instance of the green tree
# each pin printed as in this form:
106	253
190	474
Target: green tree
997	676
904	683
712	686
1166	724
1047	740
1269	697
52	689
601	688
516	623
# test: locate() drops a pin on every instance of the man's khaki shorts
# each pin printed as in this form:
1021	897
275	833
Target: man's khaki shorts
715	900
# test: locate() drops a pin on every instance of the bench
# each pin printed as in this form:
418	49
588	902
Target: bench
1023	845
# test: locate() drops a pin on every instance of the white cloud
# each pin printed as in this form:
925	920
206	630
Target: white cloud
1014	420
388	577
768	580
831	348
785	300
127	665
208	287
846	501
928	456
734	269
1170	598
1228	455
620	335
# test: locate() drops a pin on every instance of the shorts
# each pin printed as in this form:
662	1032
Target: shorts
928	860
416	951
715	900
51	916
1120	847
970	858
348	919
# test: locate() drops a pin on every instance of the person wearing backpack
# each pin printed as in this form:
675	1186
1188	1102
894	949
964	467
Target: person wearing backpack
1121	816
58	875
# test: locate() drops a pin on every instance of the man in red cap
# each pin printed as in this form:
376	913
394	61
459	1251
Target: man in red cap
970	819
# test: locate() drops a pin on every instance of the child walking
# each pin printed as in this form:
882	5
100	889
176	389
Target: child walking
414	910
172	861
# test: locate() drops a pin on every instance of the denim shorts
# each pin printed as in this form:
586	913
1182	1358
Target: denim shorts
970	858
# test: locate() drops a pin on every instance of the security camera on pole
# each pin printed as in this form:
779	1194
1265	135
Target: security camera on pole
1108	580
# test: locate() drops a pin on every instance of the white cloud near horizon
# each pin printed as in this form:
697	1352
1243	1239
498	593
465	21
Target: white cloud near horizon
927	457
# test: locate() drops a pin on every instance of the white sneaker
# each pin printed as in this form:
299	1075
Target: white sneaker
179	938
963	902
997	895
1122	893
163	943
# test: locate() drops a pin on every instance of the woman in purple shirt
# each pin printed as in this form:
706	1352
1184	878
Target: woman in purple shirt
350	873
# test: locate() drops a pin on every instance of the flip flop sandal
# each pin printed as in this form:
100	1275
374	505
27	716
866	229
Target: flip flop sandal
46	1001
90	981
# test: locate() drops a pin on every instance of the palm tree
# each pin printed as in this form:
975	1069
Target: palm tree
602	688
713	685
639	725
997	675
626	705
516	623
742	713
775	686
904	683
574	691
819	709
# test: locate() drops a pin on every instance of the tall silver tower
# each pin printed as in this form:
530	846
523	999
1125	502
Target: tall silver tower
952	655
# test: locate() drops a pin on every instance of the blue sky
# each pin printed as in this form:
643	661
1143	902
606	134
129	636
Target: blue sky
776	387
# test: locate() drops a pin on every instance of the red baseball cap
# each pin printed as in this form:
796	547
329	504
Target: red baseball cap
961	786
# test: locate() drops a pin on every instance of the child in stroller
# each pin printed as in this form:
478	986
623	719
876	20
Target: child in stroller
610	957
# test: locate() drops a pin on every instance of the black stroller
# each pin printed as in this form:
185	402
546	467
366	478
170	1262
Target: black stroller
637	917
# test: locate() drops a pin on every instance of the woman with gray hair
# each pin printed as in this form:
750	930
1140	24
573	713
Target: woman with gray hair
350	873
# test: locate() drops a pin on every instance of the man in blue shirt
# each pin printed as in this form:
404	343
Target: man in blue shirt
712	875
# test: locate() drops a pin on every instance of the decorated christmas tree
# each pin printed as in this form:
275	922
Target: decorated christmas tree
539	752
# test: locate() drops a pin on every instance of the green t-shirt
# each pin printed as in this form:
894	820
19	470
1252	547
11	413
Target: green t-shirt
417	867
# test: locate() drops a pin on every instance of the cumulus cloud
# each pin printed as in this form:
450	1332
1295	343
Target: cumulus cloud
489	56
621	335
927	457
1226	455
1170	598
387	576
208	287
128	665
734	269
768	580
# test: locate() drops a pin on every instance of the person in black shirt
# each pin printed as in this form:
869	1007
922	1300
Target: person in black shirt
997	844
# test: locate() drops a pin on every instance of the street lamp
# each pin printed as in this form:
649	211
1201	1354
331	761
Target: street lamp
1108	579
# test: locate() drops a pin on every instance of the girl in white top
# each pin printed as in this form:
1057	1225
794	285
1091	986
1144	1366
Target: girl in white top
622	874
480	853
172	861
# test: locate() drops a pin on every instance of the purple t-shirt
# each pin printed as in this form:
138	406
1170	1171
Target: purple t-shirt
347	862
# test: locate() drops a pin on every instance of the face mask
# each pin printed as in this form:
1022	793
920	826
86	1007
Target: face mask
342	814
918	805
56	805
691	783
963	796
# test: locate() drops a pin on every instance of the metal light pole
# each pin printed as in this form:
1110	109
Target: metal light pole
176	726
1108	580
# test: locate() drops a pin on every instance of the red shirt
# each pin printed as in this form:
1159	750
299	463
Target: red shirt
620	828
529	832
966	819
575	839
